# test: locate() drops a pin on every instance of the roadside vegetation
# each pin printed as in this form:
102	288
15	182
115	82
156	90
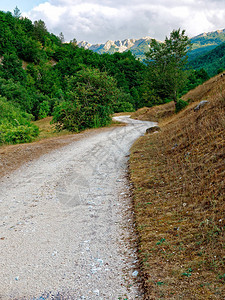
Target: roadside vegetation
15	125
49	88
42	76
178	177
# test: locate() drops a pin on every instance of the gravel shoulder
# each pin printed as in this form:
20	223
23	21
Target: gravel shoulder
66	222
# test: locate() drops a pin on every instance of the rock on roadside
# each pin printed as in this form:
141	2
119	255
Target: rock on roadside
153	129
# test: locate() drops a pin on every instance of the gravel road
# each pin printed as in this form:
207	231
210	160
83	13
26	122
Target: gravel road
66	222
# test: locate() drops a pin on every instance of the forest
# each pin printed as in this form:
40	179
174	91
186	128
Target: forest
213	61
41	75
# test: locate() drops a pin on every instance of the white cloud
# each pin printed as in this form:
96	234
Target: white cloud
98	21
49	12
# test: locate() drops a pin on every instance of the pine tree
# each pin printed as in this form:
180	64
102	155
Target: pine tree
17	13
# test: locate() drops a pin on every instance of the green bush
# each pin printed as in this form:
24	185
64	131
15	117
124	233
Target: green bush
15	125
44	110
181	104
20	134
124	102
90	96
67	115
123	107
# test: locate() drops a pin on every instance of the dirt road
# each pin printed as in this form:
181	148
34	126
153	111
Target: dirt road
65	222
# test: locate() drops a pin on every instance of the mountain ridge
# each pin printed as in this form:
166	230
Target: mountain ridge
136	46
201	44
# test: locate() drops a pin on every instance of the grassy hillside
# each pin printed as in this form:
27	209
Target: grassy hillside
178	177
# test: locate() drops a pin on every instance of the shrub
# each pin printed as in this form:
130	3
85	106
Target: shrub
123	107
10	134
124	102
181	104
15	125
66	116
90	97
44	110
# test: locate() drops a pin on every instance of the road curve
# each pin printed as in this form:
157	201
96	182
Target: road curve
64	219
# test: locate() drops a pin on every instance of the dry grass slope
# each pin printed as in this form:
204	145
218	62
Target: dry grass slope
155	113
179	190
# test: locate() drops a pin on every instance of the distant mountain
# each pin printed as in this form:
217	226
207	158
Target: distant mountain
200	45
205	42
137	46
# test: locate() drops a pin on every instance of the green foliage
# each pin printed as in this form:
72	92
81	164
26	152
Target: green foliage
17	12
194	79
61	37
16	93
40	31
16	135
220	70
29	50
166	62
188	273
15	125
40	74
205	42
67	115
123	107
90	97
180	104
124	102
210	61
44	110
11	68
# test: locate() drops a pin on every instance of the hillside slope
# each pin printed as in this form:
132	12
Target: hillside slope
206	42
211	61
178	176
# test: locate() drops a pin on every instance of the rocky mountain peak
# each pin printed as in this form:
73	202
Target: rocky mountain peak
120	46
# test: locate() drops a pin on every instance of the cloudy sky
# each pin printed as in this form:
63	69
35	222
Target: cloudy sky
97	21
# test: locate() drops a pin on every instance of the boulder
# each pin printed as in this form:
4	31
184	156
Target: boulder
153	129
200	105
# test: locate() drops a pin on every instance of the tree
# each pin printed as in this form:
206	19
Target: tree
90	96
40	30
61	37
17	13
74	42
11	68
166	62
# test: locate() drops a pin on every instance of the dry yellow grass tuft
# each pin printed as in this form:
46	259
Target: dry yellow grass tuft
155	113
206	90
179	192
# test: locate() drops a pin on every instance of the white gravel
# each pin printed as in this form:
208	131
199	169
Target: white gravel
65	222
